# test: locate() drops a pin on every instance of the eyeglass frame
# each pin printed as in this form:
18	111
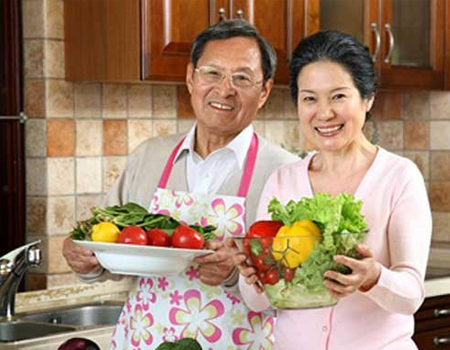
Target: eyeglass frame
230	76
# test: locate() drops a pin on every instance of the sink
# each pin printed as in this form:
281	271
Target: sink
85	315
19	330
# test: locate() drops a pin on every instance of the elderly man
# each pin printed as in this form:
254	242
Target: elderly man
214	174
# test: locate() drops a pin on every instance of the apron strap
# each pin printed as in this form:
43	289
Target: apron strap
249	167
246	176
169	165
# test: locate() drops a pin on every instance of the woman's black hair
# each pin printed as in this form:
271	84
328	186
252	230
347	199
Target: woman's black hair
228	29
340	48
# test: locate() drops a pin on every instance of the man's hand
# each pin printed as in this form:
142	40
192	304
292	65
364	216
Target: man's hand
80	259
218	266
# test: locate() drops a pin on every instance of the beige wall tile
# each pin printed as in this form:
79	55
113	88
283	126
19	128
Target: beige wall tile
63	279
59	97
391	134
60	137
114	101
138	131
416	105
184	107
115	137
112	168
440	135
387	106
54	59
33	18
84	205
33	58
184	125
273	108
36	176
164	127
164	100
440	196
61	178
440	105
422	160
35	138
54	21
88	99
440	166
56	261
89	175
140	101
35	98
89	136
416	135
259	127
284	133
441	224
36	215
60	215
290	109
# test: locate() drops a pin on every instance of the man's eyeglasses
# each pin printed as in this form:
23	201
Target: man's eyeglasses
213	75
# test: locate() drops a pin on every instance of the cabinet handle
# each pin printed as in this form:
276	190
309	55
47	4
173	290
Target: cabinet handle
441	312
240	14
222	14
391	42
374	27
441	341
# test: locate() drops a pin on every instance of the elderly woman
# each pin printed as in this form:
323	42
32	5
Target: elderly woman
333	84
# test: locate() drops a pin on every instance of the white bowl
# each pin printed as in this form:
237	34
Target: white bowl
142	260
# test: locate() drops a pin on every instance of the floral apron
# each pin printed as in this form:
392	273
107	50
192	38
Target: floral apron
167	308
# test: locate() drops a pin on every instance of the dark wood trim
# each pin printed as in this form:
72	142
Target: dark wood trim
12	163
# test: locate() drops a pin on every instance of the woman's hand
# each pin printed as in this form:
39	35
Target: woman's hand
218	266
80	259
365	274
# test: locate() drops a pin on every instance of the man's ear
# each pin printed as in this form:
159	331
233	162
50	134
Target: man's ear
190	77
265	92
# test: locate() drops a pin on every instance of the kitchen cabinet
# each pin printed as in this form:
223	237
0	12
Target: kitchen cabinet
432	328
150	40
408	39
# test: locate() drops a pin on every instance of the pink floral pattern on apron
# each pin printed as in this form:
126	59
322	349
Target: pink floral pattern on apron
165	308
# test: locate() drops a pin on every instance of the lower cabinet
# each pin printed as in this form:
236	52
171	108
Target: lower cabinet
432	330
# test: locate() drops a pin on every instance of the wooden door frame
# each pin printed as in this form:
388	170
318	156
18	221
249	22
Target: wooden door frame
12	145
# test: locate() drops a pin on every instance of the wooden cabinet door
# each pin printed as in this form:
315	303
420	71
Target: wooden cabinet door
282	22
169	28
413	39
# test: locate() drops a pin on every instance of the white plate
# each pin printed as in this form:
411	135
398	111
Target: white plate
142	260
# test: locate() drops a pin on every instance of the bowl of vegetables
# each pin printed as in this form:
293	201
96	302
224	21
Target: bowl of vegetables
130	241
291	252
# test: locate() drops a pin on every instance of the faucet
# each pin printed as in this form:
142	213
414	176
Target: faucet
12	268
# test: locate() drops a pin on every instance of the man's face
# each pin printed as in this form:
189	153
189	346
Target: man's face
223	107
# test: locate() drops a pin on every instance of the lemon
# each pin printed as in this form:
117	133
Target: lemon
105	232
293	245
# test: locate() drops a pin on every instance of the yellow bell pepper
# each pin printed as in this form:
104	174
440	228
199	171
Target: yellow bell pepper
105	232
293	244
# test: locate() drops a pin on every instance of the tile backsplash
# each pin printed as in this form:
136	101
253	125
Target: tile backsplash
79	135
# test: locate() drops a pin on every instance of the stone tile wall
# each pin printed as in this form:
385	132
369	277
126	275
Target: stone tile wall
79	135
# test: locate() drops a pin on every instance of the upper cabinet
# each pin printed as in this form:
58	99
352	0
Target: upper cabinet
408	39
123	40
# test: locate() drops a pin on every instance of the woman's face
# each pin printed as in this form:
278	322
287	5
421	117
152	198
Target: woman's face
330	107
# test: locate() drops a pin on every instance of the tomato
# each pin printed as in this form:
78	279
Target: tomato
186	237
261	262
270	277
133	235
158	237
289	274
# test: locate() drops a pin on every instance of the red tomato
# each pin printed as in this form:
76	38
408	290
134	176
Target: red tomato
270	277
133	235
186	237
158	237
259	262
289	274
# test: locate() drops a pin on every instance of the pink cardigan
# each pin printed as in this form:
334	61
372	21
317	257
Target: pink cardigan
398	215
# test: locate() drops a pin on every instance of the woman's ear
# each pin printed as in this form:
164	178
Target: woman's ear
369	103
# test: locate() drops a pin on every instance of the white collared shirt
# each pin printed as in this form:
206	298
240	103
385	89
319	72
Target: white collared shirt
209	174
